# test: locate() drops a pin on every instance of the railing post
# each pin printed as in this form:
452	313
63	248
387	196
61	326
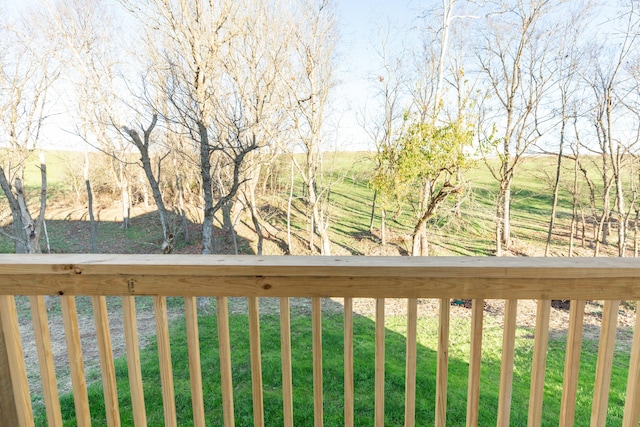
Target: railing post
7	402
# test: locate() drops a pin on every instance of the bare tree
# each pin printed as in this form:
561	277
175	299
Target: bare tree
142	144
191	40
383	124
570	57
513	54
314	42
26	77
606	81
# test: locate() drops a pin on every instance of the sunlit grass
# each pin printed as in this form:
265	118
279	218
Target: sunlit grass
364	354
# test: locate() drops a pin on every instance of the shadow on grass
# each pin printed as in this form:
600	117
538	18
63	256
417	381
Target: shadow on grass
143	236
364	355
301	343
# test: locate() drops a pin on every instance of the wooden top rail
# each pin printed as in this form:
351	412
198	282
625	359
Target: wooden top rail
373	277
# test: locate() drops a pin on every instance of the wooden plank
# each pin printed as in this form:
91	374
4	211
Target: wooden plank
133	361
391	277
539	364
348	363
45	360
256	362
19	401
411	360
76	363
224	346
443	364
7	401
420	286
572	363
195	369
316	348
379	364
355	287
605	363
228	265
285	349
107	368
164	357
475	359
506	367
632	404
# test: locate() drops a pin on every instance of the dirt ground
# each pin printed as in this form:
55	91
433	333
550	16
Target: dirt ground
71	225
494	311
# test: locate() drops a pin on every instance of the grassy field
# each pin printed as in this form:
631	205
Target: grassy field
364	348
350	200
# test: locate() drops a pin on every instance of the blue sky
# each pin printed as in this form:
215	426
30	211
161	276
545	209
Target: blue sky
357	59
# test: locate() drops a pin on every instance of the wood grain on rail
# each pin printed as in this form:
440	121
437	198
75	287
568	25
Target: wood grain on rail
369	277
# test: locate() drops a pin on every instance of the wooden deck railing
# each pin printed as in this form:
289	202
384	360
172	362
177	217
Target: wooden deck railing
477	279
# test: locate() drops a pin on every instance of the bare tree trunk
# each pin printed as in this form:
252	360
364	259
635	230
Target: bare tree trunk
420	244
574	211
383	226
205	171
255	217
312	219
584	227
125	197
289	200
556	186
622	222
499	223
459	198
506	216
635	234
143	148
93	234
27	232
227	222
180	190
145	190
18	226
373	210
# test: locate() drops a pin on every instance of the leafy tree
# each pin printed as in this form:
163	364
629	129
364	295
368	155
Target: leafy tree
426	158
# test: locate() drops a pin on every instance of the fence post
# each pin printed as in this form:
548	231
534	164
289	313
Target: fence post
8	411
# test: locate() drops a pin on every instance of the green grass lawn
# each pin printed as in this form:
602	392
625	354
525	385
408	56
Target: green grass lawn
364	348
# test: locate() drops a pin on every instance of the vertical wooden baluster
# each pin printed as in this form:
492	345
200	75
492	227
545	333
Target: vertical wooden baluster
632	403
475	359
164	357
15	357
195	369
316	332
45	360
572	363
133	361
224	345
256	362
605	363
76	364
348	363
506	368
410	368
443	363
538	368
379	371
285	348
103	337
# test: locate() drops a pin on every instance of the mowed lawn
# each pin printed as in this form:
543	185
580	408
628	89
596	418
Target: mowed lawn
364	355
350	198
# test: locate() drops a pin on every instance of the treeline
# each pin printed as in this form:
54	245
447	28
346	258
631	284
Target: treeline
206	99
